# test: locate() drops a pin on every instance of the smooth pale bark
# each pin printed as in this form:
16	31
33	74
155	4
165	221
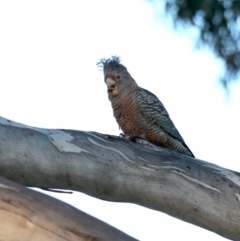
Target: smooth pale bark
115	169
29	215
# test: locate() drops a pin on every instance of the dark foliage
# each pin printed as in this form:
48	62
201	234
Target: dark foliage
219	25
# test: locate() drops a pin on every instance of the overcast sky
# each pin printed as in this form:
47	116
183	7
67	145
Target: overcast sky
49	78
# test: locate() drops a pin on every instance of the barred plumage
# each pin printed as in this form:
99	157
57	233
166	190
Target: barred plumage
138	111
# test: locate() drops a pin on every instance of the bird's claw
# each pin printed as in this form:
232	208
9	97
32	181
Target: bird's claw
131	138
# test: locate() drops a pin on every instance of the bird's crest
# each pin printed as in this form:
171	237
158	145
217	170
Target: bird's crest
112	63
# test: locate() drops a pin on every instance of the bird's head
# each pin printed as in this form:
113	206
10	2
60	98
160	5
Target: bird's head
119	82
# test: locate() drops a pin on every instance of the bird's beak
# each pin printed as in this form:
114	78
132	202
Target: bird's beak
111	84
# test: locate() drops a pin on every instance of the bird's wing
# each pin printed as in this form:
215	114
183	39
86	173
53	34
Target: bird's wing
154	112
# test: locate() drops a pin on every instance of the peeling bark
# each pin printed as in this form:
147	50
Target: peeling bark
115	169
29	215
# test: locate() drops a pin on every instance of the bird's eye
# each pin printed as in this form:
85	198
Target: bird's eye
118	77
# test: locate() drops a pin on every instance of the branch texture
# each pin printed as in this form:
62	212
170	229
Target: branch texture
32	216
115	169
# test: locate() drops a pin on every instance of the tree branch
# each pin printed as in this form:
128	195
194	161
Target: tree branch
29	215
115	169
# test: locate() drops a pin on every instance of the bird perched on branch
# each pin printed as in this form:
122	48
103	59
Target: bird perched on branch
138	112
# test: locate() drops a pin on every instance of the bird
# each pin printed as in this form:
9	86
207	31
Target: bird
138	112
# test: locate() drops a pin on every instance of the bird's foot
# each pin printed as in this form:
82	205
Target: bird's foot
138	139
131	138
